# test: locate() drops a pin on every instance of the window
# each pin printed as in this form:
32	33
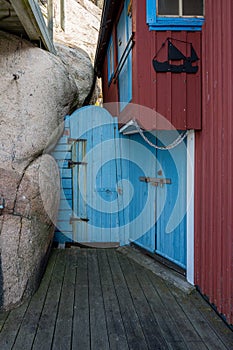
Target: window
110	55
175	14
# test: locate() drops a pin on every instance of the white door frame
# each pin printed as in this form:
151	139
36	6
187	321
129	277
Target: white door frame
190	206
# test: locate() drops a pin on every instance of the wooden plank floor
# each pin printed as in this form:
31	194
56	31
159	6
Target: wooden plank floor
100	299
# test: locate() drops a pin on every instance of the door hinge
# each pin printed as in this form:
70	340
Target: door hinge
71	163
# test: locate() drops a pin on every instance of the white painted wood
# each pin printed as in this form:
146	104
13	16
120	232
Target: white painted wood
190	206
30	15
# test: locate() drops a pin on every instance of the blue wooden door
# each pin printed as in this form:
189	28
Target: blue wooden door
111	201
124	53
167	237
94	173
171	200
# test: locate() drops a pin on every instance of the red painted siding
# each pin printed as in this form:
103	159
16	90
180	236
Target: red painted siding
214	162
177	97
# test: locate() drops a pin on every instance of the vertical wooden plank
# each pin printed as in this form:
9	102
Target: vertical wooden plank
63	329
62	14
135	336
193	86
81	322
116	332
152	333
12	326
98	327
50	18
47	322
179	108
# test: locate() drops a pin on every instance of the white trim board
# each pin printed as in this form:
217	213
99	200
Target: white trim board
190	206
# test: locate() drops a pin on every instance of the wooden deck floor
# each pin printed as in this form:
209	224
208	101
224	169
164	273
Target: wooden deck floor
100	299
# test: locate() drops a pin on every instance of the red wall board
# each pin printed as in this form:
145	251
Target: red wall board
214	162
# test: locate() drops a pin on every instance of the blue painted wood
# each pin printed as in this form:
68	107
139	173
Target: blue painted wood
143	230
161	23
110	57
95	197
171	224
107	190
62	153
163	226
124	31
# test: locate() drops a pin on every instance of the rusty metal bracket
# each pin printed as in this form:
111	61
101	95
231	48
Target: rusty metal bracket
71	140
155	181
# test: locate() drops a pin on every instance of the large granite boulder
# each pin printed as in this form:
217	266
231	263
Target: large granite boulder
82	22
36	92
80	68
27	229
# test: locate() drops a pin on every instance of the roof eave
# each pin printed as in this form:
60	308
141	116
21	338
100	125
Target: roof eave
110	7
30	15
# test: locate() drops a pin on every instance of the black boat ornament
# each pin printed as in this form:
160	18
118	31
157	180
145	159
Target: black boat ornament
174	54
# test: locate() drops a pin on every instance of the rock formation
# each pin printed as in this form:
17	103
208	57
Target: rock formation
82	21
79	67
36	92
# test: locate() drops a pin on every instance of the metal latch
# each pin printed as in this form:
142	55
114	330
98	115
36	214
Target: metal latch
155	181
72	219
71	164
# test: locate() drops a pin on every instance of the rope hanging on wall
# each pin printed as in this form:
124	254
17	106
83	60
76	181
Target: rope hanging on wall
172	145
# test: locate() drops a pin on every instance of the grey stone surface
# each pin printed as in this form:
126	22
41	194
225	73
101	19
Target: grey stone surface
36	92
80	68
82	22
27	229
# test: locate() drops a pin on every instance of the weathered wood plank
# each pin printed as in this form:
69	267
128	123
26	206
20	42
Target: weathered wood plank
12	326
197	345
98	327
205	332
116	331
81	326
189	333
45	331
63	330
151	329
3	318
224	333
135	336
27	332
167	325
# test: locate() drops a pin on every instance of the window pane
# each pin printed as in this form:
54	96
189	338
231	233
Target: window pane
192	7
168	7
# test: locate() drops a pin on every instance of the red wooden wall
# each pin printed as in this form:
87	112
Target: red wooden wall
214	162
177	97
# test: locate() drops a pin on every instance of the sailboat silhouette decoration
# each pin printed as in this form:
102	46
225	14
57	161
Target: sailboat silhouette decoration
174	54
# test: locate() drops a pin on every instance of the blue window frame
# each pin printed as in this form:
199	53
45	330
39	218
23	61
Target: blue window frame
174	15
110	55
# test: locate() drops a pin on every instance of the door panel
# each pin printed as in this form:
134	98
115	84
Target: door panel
94	169
171	225
167	237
